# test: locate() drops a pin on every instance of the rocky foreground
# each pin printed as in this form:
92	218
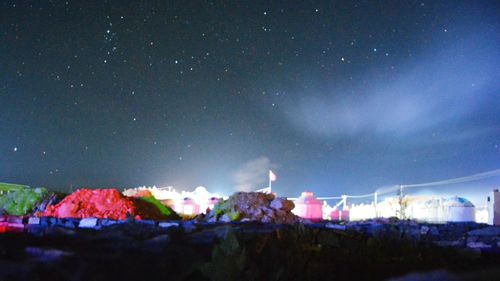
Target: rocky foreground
72	249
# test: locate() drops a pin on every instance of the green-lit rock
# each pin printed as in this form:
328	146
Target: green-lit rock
165	211
22	201
8	187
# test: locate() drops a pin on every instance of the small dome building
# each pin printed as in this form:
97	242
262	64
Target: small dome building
188	207
458	209
308	207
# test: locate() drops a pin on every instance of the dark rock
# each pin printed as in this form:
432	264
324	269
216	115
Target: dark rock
447	243
109	222
168	224
89	223
428	276
67	222
14	219
45	221
487	231
434	231
368	250
188	226
210	235
328	238
47	255
147	222
156	244
478	245
335	226
52	220
34	220
424	230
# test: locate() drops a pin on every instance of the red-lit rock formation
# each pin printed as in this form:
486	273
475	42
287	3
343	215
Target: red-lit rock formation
98	203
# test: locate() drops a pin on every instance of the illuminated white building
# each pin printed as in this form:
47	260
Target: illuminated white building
184	202
362	211
494	208
482	213
423	208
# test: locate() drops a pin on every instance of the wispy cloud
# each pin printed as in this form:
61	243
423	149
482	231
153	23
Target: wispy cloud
448	86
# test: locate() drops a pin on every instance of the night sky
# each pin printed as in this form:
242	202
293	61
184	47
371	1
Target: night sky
336	97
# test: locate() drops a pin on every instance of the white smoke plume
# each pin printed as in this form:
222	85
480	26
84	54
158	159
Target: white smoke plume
253	174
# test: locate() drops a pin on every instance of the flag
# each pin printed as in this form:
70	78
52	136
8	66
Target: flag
272	176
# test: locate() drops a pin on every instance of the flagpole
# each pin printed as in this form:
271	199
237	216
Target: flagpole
269	176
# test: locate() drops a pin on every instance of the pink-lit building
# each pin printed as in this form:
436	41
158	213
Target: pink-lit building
188	207
340	215
308	207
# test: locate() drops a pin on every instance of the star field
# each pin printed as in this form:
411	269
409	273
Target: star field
334	96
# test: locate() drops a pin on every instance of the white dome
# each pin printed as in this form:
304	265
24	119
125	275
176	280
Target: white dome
308	198
457	202
200	189
188	201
